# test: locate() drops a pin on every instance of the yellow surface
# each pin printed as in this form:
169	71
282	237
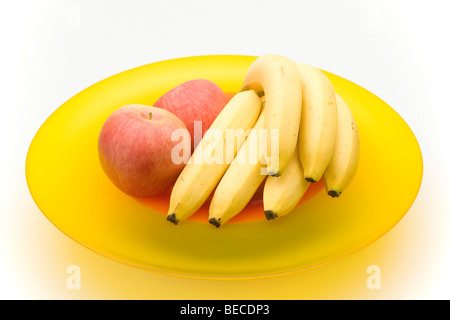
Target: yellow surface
68	185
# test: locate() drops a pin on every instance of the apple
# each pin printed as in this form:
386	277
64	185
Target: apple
135	149
194	100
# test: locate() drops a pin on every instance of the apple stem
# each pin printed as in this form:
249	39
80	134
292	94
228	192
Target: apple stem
150	115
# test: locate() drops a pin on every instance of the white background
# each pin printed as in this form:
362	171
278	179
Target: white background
51	50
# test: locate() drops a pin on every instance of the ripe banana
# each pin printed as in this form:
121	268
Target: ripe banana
278	79
211	158
241	180
282	194
317	133
344	163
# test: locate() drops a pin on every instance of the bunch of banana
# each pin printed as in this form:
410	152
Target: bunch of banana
317	138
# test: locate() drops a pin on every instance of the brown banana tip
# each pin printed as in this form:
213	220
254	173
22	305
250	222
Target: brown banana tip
310	180
215	222
274	174
334	194
270	215
172	218
260	93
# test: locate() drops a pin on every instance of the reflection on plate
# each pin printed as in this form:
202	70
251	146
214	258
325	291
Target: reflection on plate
68	185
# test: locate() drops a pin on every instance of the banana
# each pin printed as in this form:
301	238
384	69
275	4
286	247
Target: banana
282	194
317	133
241	180
344	163
278	79
212	157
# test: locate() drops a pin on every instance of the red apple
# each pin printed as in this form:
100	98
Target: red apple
194	100
135	149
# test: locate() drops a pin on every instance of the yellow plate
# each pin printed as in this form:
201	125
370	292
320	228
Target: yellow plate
67	183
